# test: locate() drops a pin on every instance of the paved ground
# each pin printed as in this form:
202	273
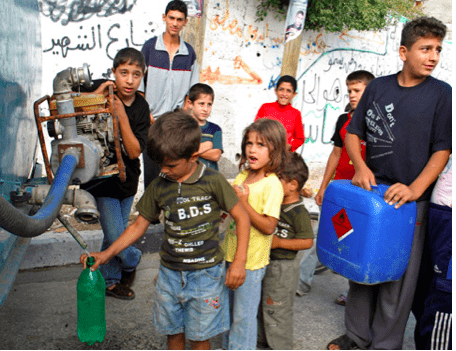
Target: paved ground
40	313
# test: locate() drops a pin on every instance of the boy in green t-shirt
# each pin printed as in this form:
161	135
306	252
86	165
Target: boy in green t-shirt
191	295
293	233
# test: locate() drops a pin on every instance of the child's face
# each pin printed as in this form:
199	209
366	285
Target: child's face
128	77
355	91
175	21
178	170
285	93
201	108
256	151
422	58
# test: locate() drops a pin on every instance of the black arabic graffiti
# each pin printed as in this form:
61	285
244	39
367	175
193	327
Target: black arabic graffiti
80	10
93	39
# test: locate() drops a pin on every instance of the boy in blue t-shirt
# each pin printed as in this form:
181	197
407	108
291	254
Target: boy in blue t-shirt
199	106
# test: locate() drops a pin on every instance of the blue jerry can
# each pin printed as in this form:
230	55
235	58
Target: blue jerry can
363	238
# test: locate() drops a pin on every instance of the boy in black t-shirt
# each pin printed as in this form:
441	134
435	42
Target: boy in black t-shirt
405	119
191	295
293	233
114	197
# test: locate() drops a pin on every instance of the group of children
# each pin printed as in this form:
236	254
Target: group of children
245	287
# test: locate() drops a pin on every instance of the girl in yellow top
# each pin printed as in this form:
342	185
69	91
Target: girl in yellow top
264	152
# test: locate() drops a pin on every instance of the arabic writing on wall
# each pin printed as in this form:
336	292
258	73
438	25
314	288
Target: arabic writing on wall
78	10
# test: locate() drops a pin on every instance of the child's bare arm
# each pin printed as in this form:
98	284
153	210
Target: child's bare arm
235	275
399	194
129	140
363	177
130	235
207	152
330	169
291	244
264	223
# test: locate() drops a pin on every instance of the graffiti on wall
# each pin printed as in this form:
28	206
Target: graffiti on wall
207	75
66	11
322	93
78	31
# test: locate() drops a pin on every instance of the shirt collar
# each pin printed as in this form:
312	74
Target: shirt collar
160	46
194	177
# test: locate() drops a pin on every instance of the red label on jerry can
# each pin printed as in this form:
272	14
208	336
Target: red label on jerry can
342	224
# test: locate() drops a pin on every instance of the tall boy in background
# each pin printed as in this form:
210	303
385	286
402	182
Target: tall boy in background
405	118
338	166
200	101
171	70
282	111
293	233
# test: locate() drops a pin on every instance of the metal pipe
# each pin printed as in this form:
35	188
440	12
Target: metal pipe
81	199
20	224
79	239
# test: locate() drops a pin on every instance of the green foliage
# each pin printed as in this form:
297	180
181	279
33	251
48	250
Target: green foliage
340	15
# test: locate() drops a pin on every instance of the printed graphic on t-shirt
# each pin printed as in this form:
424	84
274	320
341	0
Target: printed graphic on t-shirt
188	220
380	122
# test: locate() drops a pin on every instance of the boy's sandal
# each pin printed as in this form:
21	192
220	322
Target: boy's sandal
121	292
128	278
341	300
343	342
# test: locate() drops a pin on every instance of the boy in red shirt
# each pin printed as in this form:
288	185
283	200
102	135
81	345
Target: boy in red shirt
282	111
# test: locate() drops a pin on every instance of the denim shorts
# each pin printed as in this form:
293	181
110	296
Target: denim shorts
192	302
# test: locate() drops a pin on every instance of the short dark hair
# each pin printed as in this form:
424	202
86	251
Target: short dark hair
288	79
422	27
200	89
174	135
300	12
295	169
274	135
177	5
129	56
360	76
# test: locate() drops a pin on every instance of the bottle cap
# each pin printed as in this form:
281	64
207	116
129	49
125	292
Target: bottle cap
90	261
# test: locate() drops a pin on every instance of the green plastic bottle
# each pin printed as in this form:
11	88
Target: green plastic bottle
91	305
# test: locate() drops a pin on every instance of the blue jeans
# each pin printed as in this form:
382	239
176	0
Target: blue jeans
192	302
244	303
114	214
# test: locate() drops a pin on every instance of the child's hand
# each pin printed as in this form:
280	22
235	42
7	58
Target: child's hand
100	259
119	108
364	178
398	194
235	275
319	196
104	88
275	242
242	191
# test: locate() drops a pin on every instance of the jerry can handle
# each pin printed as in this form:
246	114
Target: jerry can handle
377	190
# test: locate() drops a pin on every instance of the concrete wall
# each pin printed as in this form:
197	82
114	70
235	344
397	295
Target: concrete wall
242	61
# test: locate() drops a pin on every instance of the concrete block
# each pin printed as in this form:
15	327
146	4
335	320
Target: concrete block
57	249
